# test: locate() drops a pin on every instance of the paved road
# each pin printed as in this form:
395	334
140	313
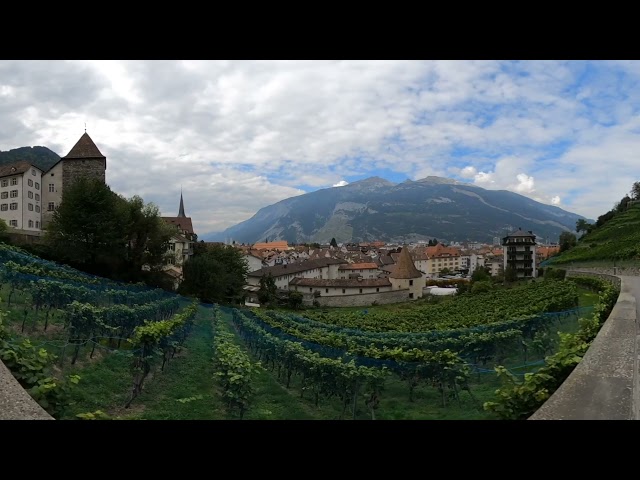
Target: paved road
604	385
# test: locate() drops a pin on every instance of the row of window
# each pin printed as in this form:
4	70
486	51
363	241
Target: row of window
14	181
14	194
14	223
14	206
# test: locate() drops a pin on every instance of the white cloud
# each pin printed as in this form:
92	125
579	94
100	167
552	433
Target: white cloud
341	183
555	200
263	130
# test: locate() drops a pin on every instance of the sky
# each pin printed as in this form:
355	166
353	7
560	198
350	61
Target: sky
236	136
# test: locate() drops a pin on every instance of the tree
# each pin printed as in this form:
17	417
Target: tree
510	274
583	225
334	244
3	230
87	229
481	274
215	276
268	290
101	232
147	237
295	299
635	191
567	240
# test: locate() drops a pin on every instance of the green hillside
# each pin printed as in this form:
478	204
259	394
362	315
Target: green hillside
616	240
41	157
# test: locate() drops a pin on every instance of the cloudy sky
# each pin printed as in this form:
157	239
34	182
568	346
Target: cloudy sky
240	135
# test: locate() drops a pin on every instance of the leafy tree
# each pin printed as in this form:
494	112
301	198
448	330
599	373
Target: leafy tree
101	232
87	228
3	230
432	243
481	274
147	236
482	286
268	290
445	271
215	276
295	299
583	225
510	274
334	244
635	191
567	240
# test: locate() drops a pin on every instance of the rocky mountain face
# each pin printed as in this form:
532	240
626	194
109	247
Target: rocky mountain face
376	209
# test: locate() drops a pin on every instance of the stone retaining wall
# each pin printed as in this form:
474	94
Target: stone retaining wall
15	402
604	385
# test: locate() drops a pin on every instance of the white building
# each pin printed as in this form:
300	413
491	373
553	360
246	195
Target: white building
358	270
324	268
20	196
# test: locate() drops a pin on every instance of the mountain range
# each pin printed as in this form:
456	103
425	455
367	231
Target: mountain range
377	209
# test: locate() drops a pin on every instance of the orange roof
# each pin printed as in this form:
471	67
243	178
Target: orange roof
441	251
279	245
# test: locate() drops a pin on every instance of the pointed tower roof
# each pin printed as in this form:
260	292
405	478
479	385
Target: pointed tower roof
181	211
405	267
85	148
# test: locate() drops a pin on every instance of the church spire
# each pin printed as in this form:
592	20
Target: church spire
181	212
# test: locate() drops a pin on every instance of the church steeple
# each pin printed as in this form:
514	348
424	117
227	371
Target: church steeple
181	212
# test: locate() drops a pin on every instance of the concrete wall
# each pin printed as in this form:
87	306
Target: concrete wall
360	300
604	385
15	402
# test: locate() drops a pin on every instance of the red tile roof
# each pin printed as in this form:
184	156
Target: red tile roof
344	282
16	168
183	223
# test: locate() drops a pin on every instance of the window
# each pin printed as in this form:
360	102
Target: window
343	290
326	290
37	186
14	193
13	223
13	206
33	172
52	174
311	289
5	183
51	187
37	224
377	289
51	206
5	194
14	181
30	207
410	282
38	208
30	194
30	182
411	295
30	223
4	207
37	197
360	290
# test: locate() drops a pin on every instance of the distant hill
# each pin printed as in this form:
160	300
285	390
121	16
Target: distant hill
376	209
41	157
617	239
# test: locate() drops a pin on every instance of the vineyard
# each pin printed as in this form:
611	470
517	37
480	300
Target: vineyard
137	352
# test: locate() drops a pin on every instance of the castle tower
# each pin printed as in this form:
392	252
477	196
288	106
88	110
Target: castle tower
83	160
405	275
